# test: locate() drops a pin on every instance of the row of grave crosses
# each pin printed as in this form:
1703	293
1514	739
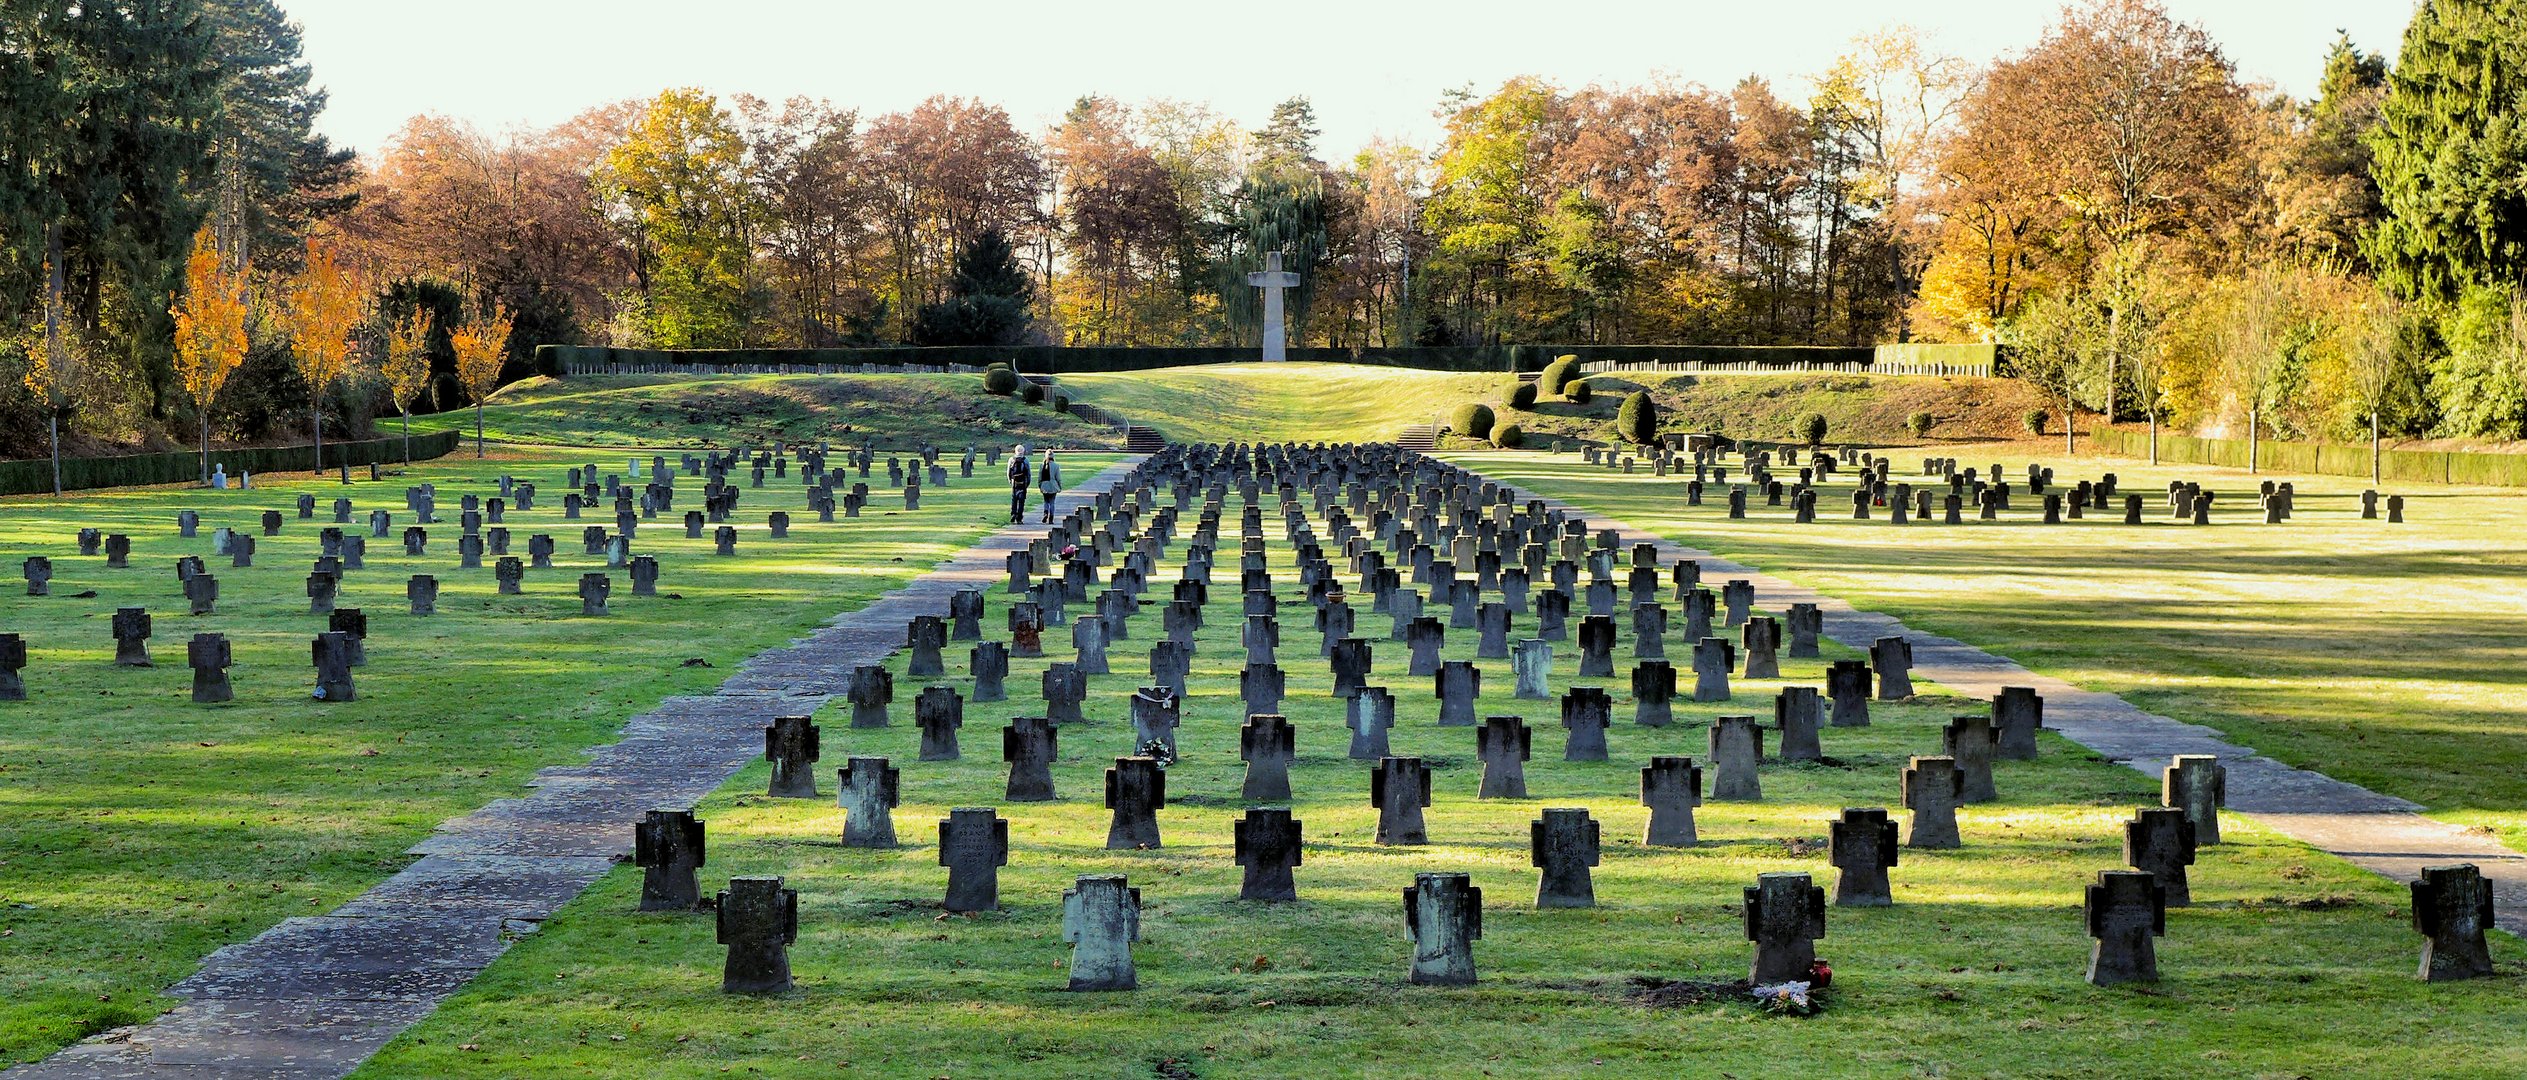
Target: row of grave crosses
1985	494
1784	912
481	523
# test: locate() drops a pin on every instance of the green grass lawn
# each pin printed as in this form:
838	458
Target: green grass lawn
901	411
142	831
2291	963
2393	656
1247	402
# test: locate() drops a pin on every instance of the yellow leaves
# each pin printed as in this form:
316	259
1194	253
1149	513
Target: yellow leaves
407	368
480	346
210	321
326	302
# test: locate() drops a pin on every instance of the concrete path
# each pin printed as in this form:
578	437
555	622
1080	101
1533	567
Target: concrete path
313	997
2379	833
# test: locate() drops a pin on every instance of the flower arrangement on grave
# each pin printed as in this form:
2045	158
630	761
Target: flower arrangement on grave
1786	998
1157	750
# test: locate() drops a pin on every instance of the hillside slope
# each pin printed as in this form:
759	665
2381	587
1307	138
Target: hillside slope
892	411
1346	402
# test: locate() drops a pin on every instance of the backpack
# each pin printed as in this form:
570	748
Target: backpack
1018	471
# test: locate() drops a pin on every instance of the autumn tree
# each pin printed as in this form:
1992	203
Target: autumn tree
2131	121
326	302
407	367
678	186
210	330
481	347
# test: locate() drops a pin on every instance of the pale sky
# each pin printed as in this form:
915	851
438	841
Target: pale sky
1372	67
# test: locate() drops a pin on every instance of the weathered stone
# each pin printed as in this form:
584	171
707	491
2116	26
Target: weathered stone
1596	647
871	689
1932	788
1135	789
1653	693
1797	712
2452	907
208	656
1443	914
353	623
331	653
2160	840
1892	657
925	636
2198	785
1266	743
668	847
39	575
1847	689
1713	659
1458	685
131	637
1425	637
593	589
1503	744
791	744
758	921
1563	843
1737	747
2127	912
2017	714
422	592
1762	638
1026	630
1862	845
989	662
973	845
869	790
1671	787
1351	663
1972	742
1785	914
938	712
1268	842
1030	744
12	667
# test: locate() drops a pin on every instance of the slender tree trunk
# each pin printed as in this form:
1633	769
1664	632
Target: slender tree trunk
206	448
2374	476
52	342
2154	436
2254	427
407	437
53	419
478	429
2070	426
316	416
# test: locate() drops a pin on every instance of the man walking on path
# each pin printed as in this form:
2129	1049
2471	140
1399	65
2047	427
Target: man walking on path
1018	476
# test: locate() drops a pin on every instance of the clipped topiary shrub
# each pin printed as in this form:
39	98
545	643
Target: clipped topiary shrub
1578	392
1808	428
1031	393
1637	421
1472	420
1558	375
1509	437
1919	423
1000	380
1061	403
2036	419
1522	396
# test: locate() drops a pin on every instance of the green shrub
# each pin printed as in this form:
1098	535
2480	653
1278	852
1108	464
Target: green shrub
1637	421
1578	391
1522	396
1000	380
1809	428
1031	393
1472	420
1919	423
1061	403
1509	437
2036	419
1558	375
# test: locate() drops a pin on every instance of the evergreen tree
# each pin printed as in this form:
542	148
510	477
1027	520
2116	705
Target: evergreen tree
272	174
989	302
2449	148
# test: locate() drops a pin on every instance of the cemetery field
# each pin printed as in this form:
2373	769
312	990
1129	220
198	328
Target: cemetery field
1296	402
2290	962
143	831
2392	656
689	412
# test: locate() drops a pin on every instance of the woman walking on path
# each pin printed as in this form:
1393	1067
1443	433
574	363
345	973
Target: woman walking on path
1018	484
1048	483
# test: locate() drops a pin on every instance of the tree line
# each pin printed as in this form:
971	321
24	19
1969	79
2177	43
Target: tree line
2158	239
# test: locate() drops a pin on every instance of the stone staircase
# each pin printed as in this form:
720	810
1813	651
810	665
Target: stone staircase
1419	438
1143	440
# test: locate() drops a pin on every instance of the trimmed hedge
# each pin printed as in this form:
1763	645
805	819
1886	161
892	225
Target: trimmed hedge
35	476
2410	466
1509	437
1000	380
1065	359
1472	420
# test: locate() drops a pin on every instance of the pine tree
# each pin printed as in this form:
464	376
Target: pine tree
2448	149
989	298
